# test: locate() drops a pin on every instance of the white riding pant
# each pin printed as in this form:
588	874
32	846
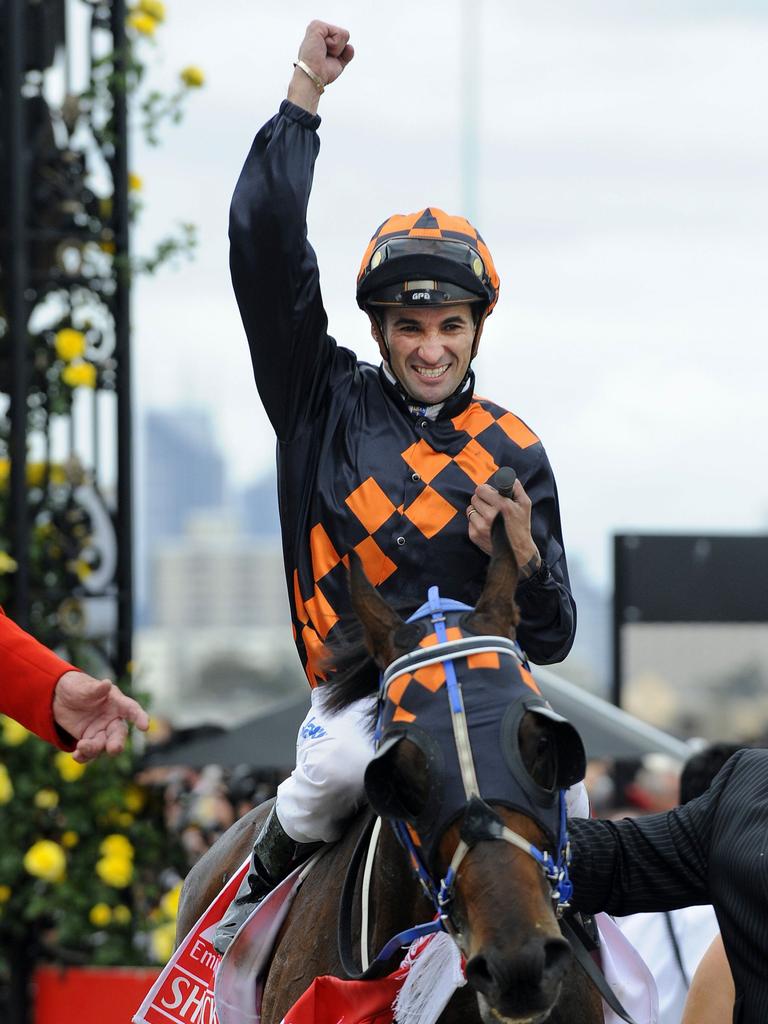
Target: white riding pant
326	787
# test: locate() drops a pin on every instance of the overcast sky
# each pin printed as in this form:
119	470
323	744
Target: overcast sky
622	187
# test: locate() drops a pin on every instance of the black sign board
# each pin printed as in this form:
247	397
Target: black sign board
687	578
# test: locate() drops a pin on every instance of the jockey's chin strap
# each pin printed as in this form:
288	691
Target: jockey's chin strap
480	822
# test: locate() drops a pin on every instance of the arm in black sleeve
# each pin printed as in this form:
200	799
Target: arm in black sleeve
658	862
274	271
547	609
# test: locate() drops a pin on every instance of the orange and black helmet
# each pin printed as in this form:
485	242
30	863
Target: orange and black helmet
424	259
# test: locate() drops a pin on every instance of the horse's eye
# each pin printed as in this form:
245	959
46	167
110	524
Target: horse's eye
538	750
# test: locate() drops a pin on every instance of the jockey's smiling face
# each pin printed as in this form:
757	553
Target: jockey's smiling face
429	348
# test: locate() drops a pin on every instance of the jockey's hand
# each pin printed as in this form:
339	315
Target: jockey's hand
326	50
487	504
95	713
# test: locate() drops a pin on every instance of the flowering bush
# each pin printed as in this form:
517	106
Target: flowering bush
85	861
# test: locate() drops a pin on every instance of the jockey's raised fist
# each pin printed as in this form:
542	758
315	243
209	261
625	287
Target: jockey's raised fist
326	49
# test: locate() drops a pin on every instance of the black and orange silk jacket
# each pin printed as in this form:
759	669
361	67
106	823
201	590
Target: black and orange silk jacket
356	469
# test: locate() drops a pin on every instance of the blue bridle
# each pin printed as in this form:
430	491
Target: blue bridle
479	821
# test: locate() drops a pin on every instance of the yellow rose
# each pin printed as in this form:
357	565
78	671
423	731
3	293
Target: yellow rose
46	859
121	914
69	344
169	904
192	77
5	893
135	183
36	473
80	568
124	819
6	786
69	839
57	474
115	871
7	564
5	470
162	940
144	24
14	734
154	8
79	375
46	799
134	798
100	915
69	769
116	845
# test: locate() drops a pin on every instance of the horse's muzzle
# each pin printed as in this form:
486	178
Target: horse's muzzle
524	987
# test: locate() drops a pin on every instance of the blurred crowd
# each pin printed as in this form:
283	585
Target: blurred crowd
201	803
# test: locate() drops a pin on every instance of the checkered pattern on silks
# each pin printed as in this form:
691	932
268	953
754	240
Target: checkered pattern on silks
433	223
346	436
419	495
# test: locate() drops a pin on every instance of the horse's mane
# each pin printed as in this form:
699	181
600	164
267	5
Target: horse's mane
351	671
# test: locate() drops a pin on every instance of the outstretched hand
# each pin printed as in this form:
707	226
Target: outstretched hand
96	713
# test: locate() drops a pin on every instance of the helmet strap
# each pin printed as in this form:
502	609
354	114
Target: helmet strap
478	331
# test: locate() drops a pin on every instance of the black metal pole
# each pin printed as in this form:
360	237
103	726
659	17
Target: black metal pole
17	277
122	344
618	616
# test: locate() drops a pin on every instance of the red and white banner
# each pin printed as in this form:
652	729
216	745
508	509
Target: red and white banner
183	994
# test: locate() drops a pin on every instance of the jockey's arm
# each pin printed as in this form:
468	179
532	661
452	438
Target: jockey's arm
274	270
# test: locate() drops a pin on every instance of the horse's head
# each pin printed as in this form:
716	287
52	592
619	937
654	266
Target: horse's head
470	755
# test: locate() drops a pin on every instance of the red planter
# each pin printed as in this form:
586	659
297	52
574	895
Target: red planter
89	995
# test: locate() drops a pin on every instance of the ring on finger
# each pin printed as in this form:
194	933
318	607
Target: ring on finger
471	511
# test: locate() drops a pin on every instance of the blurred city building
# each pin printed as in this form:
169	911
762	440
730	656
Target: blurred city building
216	575
256	507
215	641
182	470
220	645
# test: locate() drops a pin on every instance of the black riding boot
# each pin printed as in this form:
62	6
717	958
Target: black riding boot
274	856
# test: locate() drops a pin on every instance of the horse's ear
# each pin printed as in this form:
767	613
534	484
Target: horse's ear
496	611
379	620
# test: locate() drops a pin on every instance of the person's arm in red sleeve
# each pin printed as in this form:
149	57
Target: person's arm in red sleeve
60	703
29	673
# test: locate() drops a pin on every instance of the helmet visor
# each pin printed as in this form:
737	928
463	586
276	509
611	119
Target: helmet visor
423	271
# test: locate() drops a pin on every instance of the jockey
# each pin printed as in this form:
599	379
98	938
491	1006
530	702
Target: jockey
392	462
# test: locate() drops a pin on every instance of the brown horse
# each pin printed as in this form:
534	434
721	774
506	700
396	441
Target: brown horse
518	966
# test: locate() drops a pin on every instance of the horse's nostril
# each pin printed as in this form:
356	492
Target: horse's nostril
557	955
479	974
533	971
